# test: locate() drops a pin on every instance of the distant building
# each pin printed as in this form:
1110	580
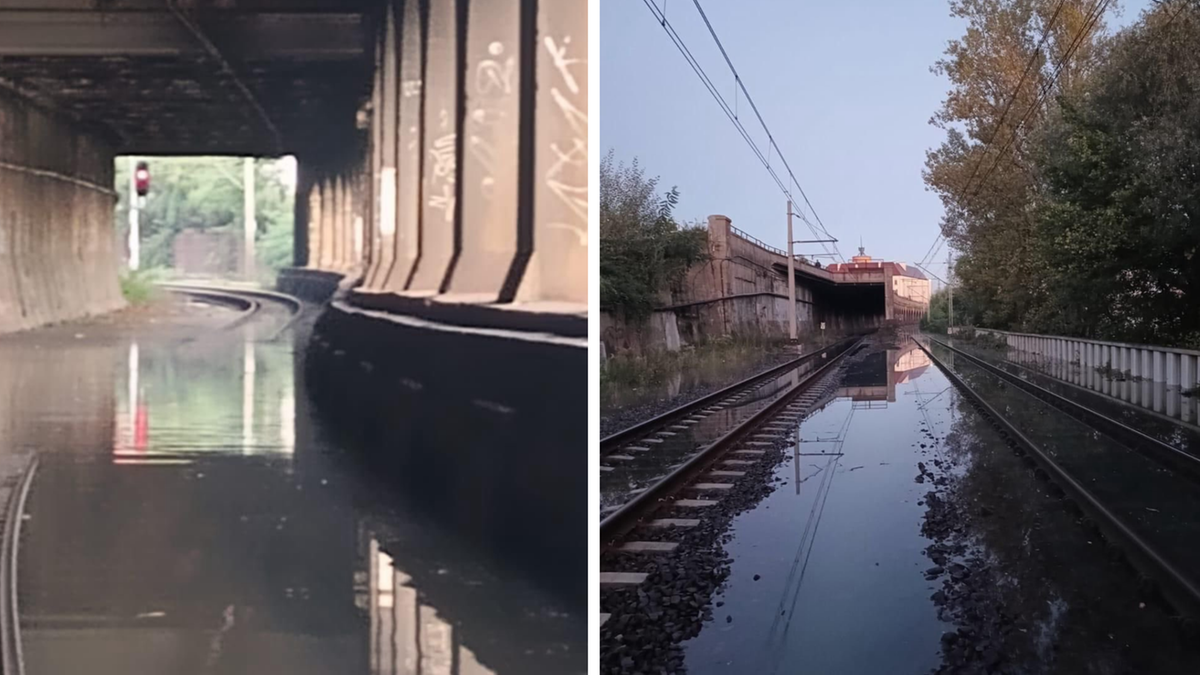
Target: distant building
908	282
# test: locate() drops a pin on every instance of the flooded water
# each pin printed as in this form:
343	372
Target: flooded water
1150	407
188	515
709	370
641	463
837	547
828	571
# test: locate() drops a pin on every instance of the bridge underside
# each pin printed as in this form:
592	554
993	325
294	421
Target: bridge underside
442	144
250	77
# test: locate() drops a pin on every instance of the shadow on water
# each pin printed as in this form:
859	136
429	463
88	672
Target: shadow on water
189	515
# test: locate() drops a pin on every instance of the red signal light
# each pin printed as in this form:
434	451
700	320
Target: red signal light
141	179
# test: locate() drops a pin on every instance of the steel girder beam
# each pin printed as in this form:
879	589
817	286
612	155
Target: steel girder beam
244	37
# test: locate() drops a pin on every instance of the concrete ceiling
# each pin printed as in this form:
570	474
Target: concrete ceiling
260	77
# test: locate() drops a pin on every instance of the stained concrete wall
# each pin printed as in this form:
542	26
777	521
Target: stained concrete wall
742	290
472	189
58	255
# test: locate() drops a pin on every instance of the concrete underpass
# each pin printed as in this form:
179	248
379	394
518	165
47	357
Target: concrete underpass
375	481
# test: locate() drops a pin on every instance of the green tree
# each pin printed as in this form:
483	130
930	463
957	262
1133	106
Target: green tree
205	193
643	250
991	222
1119	230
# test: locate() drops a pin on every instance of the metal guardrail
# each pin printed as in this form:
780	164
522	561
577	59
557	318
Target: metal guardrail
756	241
1175	366
1157	450
1178	588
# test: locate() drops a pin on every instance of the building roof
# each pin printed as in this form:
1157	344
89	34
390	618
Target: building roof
898	268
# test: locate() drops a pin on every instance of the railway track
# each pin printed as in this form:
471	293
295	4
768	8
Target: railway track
702	478
640	456
249	302
1140	493
722	398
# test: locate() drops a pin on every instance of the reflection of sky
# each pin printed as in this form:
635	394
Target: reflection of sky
168	407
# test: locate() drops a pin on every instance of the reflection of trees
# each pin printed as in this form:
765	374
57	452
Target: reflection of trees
191	389
1051	575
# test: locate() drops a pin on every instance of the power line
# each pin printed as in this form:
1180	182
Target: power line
731	113
1089	23
1016	91
738	81
1090	20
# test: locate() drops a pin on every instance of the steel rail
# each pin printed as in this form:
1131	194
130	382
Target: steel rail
1177	588
12	660
626	517
1163	453
642	429
295	305
249	306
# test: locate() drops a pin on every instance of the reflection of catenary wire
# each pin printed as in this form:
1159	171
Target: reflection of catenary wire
813	523
734	119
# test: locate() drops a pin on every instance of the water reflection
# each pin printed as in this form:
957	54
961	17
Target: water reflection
407	635
826	570
1156	397
176	401
187	518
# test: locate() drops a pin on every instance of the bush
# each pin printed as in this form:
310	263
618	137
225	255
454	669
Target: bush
138	286
643	250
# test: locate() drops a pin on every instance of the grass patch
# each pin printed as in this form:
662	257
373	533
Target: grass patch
139	287
640	371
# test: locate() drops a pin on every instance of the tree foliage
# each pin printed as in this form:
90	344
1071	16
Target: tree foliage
988	189
205	193
1088	223
643	250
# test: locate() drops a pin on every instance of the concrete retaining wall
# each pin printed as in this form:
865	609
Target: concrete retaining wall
58	256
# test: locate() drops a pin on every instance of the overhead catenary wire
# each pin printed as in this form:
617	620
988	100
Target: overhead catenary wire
1089	22
1090	19
818	229
1016	91
740	84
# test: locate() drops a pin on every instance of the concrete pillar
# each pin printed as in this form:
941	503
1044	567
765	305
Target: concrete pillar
497	217
411	137
1172	359
374	273
340	223
442	172
315	213
301	214
384	131
1159	374
558	270
1147	366
328	215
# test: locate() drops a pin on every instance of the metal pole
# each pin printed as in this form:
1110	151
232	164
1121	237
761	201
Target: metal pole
135	251
950	289
791	278
251	224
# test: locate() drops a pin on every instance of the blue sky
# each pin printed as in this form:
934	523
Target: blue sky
844	86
